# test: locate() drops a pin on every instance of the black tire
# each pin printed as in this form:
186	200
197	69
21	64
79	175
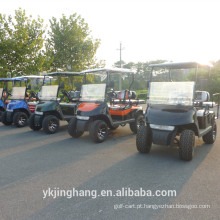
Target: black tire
98	131
20	119
32	124
186	145
50	124
1	111
72	130
210	137
134	126
4	119
144	139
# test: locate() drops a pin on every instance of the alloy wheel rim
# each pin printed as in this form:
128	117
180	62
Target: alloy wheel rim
214	133
102	132
52	125
139	122
22	120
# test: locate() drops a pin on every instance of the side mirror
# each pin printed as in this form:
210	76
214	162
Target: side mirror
62	85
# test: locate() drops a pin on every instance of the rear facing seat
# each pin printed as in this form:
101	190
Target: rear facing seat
123	100
126	97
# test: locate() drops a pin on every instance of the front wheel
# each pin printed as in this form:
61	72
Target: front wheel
72	129
186	145
32	124
50	124
134	126
1	111
144	139
4	119
20	119
98	131
210	137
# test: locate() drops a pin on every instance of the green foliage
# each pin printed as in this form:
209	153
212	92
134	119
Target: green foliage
21	43
141	94
71	45
142	73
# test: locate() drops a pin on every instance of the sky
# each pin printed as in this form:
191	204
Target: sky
173	30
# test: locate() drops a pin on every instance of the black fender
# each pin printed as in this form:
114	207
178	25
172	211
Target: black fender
58	114
28	112
2	109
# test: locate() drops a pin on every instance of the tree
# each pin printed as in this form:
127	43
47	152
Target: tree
71	45
142	72
21	43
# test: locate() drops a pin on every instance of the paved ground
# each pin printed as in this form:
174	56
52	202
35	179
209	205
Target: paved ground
31	162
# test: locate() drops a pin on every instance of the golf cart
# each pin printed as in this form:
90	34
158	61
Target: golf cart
51	108
4	93
176	112
22	102
101	108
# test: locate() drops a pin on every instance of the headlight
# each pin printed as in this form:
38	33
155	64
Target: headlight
162	127
9	110
39	113
82	117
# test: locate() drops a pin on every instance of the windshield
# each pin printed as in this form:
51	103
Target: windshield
18	92
93	92
1	90
48	92
171	93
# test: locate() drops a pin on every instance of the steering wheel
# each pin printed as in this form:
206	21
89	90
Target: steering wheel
33	94
66	93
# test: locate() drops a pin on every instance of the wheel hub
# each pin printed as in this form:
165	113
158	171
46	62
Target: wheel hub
102	132
21	120
52	126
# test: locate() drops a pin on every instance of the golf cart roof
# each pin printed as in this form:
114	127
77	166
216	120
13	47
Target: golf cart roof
33	77
13	79
64	74
109	70
181	65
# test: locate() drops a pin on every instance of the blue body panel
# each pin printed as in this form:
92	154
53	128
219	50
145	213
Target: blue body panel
17	104
2	104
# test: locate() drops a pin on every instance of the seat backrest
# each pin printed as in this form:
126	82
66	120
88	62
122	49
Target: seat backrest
125	94
202	96
74	94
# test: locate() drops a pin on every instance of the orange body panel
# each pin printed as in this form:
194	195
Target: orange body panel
86	107
116	110
119	112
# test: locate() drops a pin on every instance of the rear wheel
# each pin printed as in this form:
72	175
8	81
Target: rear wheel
4	119
98	131
210	137
144	139
32	124
134	126
72	130
50	124
20	119
186	145
1	111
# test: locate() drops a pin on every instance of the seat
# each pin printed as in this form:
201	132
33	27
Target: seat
200	112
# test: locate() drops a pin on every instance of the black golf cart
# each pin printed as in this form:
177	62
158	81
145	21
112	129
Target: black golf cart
101	108
55	103
176	112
